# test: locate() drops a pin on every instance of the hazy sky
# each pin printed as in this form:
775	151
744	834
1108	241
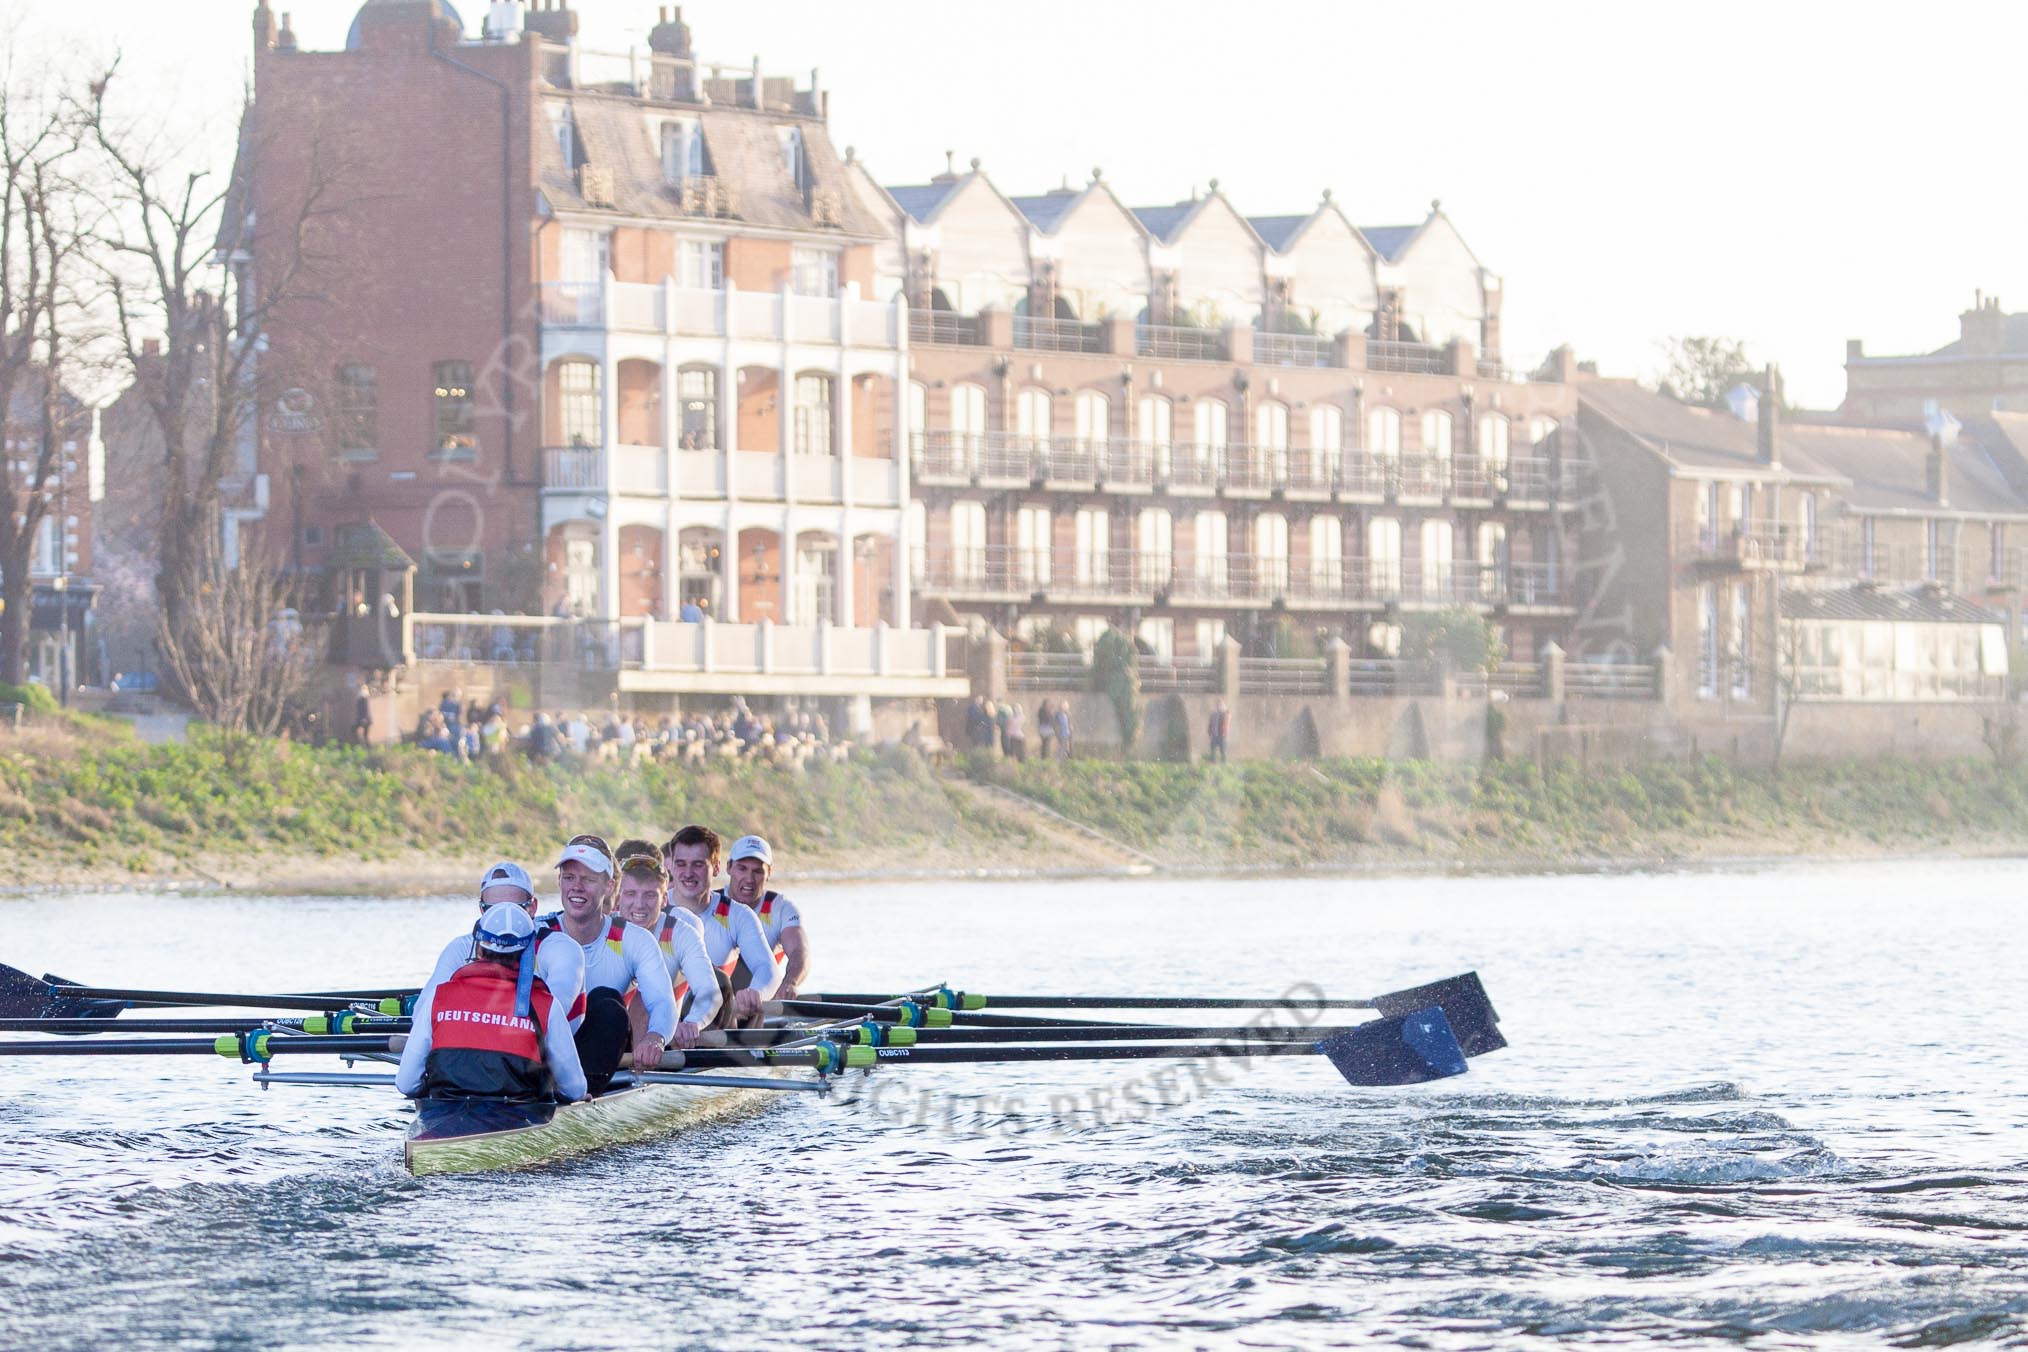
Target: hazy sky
1789	174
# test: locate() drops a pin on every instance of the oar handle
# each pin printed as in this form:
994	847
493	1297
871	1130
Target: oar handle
229	1000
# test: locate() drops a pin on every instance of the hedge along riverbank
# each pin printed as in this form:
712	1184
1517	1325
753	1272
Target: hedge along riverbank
71	799
1349	812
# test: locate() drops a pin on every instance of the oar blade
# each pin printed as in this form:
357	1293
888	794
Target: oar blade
25	997
1464	1003
1410	1048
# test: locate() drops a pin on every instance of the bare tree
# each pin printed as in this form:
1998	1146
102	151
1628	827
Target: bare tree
1788	680
187	256
239	650
42	228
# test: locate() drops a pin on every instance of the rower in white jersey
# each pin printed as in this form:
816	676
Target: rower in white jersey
558	962
617	957
643	891
747	873
732	933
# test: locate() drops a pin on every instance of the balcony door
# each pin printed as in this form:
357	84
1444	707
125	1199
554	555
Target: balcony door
583	259
968	425
1208	545
1032	546
1383	554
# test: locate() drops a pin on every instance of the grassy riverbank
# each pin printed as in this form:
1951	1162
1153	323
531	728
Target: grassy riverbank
1343	813
82	803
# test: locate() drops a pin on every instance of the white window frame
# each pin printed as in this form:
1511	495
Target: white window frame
1094	546
815	271
700	264
1383	553
682	150
1383	431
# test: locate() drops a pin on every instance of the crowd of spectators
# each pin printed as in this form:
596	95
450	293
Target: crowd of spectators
471	732
1002	726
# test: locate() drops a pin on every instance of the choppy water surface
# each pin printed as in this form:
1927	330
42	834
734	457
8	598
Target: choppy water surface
1780	1107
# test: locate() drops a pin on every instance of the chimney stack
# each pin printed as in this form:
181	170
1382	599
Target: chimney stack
285	41
1982	330
1771	416
1938	472
670	35
264	28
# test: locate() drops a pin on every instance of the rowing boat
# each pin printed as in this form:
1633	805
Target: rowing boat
1423	1033
462	1136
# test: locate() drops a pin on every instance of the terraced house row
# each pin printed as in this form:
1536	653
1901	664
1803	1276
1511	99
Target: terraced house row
624	336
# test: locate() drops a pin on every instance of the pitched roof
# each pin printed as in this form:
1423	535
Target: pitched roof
1164	222
1277	230
744	150
1931	605
1389	240
1875	468
921	200
1046	211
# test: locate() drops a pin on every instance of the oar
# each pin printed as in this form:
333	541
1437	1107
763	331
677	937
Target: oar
249	1046
885	1035
913	1012
307	1000
1462	998
1403	1049
316	1023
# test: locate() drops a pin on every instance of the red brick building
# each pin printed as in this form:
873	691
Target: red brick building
579	331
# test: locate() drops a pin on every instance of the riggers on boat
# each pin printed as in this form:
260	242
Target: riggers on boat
1423	1033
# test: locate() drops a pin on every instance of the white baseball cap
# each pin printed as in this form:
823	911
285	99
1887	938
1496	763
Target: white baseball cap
589	855
504	928
751	847
508	874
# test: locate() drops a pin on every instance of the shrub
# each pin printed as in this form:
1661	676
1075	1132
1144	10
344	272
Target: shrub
1115	667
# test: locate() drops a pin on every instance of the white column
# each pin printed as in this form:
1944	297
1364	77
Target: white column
728	559
671	561
903	434
843	605
609	564
791	613
671	423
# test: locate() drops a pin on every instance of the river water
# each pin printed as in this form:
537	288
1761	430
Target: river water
1778	1106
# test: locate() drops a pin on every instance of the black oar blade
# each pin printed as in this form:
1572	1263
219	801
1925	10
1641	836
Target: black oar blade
70	1007
1405	1049
1464	1003
25	997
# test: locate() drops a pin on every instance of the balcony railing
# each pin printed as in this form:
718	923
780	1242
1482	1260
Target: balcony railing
1177	676
1057	335
661	308
941	455
1411	358
574	467
1284	676
1048	671
943	328
1608	680
1174	342
1746	545
1185	577
1291	349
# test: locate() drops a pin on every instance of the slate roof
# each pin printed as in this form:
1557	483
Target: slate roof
1163	222
1046	211
1277	230
1875	468
1931	605
743	151
1389	240
921	200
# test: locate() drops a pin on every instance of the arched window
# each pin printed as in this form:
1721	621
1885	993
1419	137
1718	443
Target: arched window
1383	555
814	433
1436	434
1327	555
1032	412
1208	546
918	539
1436	559
968	541
1212	423
1271	552
1383	431
918	414
1094	419
697	408
1154	549
1271	434
1492	447
1327	445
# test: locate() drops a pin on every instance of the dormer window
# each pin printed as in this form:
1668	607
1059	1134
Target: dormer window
564	126
682	151
792	152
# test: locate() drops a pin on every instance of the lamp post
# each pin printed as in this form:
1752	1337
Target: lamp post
62	588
